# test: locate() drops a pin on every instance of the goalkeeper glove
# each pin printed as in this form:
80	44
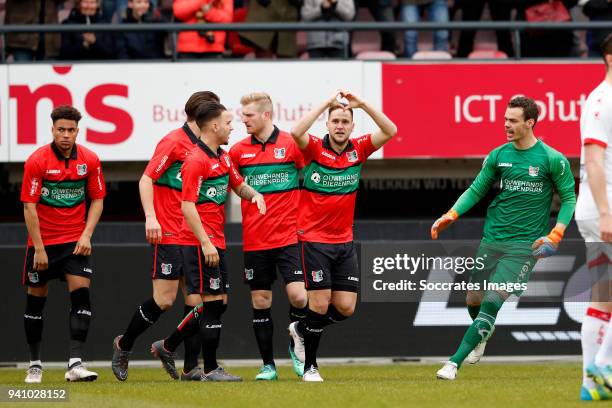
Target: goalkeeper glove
547	246
443	223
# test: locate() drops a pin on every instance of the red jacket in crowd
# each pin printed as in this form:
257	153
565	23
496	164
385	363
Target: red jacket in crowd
220	11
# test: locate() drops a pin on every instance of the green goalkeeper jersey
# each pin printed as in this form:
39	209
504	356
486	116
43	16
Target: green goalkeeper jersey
527	178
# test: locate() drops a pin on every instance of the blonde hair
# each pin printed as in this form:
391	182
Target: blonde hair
262	99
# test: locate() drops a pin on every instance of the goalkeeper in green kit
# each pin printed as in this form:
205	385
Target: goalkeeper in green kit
516	227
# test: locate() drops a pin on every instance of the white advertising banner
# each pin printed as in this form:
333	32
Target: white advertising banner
127	108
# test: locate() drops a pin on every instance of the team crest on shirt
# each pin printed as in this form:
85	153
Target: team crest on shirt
533	171
215	283
279	153
248	274
352	156
81	169
166	269
33	277
227	160
317	276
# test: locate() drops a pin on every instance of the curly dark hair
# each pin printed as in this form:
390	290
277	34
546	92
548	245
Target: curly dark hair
65	112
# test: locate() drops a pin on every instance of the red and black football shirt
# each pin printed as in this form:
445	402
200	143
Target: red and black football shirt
60	186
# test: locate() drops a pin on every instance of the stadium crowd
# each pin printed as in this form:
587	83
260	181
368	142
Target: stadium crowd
332	44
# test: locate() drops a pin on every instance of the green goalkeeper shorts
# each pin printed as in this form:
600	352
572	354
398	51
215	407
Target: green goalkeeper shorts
507	267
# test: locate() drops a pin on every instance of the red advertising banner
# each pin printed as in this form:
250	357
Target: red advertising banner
457	110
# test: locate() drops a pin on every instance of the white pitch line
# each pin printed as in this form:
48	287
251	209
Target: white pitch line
323	361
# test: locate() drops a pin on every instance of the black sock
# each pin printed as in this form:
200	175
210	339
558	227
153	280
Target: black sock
333	315
80	317
473	311
210	333
144	317
192	343
312	329
33	323
188	327
296	314
264	331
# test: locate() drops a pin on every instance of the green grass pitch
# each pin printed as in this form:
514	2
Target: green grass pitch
346	386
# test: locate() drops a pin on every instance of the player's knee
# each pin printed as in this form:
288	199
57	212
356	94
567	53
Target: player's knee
319	304
261	301
298	299
40	291
346	309
165	302
473	298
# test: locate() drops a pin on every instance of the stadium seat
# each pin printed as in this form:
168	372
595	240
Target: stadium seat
485	46
235	45
487	54
375	55
432	55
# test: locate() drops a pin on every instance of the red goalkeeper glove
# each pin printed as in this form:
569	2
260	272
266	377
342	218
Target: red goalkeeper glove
443	223
547	246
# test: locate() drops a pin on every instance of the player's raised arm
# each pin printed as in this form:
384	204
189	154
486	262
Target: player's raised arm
470	197
152	227
300	129
386	128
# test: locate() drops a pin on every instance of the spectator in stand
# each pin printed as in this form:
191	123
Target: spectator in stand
382	10
437	11
140	45
269	43
471	10
32	46
549	43
111	8
88	45
597	10
328	44
202	44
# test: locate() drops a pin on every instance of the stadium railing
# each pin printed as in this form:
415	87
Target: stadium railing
173	28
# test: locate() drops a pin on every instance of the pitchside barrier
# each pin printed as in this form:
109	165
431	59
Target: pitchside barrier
395	322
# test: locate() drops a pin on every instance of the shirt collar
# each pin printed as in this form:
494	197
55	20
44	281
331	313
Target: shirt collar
271	139
60	156
194	139
328	146
209	151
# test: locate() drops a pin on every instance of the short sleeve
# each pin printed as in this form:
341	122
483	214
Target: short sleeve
96	188
162	158
364	144
312	149
193	173
32	182
297	157
235	179
234	154
596	127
